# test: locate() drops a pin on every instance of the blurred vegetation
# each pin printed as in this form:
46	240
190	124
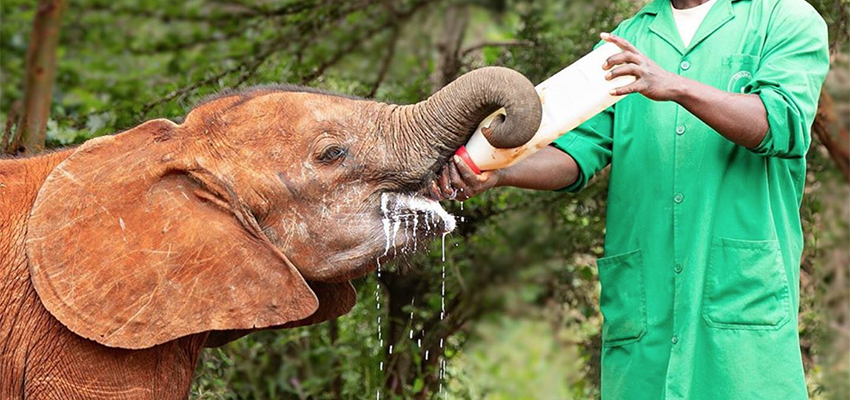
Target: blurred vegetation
521	288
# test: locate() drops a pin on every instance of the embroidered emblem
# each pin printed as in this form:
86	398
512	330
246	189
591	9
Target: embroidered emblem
739	81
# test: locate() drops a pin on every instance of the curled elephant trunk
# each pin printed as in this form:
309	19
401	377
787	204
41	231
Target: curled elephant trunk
457	109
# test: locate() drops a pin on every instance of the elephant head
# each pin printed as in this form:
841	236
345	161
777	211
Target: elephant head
255	212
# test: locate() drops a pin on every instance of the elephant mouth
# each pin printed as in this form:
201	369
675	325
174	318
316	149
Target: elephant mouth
409	218
403	222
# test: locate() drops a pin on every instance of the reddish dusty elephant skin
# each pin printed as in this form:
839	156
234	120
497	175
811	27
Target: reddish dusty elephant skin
122	258
39	357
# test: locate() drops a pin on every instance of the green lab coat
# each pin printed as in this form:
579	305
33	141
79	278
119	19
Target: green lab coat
700	279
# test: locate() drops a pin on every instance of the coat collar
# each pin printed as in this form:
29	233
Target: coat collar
664	26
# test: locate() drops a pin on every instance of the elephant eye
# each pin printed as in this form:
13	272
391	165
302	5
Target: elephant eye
332	153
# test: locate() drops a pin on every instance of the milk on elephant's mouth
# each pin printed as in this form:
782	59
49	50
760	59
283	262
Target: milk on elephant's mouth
421	214
425	218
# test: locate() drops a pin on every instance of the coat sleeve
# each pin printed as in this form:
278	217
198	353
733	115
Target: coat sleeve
793	66
590	145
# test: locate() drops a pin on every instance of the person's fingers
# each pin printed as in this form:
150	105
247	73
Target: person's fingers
469	176
434	189
445	183
620	42
624	44
625	70
457	182
464	189
625	57
634	87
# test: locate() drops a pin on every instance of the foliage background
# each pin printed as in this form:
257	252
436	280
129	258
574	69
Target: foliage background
521	285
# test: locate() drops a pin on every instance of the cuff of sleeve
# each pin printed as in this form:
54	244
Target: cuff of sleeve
786	136
578	149
763	148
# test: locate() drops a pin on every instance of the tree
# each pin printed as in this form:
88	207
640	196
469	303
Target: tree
38	88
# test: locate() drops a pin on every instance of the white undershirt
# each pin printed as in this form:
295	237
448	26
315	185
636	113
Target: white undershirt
689	19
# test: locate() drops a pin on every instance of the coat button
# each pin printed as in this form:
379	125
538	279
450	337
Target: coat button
685	65
677	268
675	339
678	198
680	130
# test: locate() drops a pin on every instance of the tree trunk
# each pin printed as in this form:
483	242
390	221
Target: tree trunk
336	385
448	58
41	71
836	147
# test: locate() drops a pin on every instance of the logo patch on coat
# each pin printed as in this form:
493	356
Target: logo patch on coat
739	81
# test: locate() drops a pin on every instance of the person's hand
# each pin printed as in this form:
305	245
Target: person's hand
651	81
458	182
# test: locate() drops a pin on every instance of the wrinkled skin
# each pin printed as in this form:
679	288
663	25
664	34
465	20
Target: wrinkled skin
122	258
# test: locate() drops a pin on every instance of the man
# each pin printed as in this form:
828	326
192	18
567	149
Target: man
703	241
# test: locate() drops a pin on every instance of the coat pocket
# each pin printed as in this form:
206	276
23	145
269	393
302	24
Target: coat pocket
623	298
746	286
739	71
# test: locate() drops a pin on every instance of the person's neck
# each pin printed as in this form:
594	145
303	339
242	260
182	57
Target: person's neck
685	4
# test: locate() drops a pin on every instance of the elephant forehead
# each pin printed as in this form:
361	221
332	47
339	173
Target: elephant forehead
323	108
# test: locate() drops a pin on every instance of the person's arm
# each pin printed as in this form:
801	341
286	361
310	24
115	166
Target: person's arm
774	115
741	118
547	169
567	164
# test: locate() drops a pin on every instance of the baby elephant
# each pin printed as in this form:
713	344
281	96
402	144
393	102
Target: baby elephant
122	258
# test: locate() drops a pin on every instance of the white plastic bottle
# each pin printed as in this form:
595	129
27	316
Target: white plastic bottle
570	97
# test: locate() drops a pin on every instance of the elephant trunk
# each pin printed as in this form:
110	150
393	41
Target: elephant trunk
450	116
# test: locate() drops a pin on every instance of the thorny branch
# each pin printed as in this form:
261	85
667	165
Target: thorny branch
249	64
504	43
216	15
392	22
216	37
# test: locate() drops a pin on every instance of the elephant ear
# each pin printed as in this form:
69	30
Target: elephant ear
127	247
335	300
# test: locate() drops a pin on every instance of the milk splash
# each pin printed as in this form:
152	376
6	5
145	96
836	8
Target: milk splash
396	208
399	207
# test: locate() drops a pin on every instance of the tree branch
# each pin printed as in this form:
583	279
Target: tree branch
838	153
216	14
504	43
250	66
174	46
392	22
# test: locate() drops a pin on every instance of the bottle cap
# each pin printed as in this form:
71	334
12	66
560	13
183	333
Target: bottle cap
462	153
